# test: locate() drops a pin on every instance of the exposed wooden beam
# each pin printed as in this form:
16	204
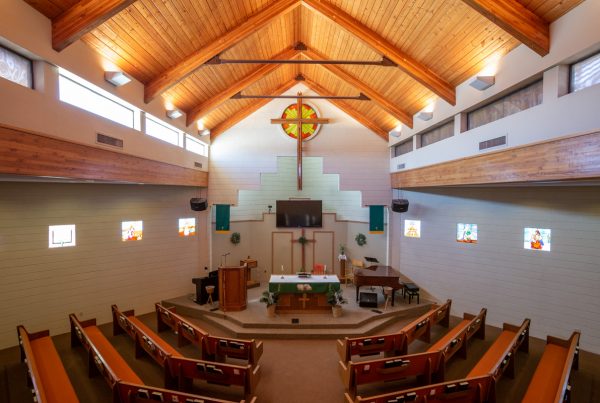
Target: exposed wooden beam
185	67
205	107
562	159
259	103
82	18
385	104
27	153
517	20
359	117
410	66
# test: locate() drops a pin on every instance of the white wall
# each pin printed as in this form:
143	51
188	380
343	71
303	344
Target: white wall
558	290
41	286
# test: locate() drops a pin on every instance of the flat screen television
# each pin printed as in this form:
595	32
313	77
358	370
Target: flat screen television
299	213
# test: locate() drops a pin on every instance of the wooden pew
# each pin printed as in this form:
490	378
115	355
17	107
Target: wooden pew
131	393
550	382
395	343
500	357
457	338
47	377
124	383
473	390
213	348
103	359
425	366
179	370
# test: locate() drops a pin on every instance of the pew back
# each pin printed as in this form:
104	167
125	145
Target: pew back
472	390
132	393
426	366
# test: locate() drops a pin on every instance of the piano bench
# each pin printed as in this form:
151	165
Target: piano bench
411	290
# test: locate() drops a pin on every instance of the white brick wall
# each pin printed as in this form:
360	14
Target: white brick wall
41	286
558	290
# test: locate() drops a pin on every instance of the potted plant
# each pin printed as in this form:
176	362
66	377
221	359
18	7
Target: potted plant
342	250
335	298
270	298
235	238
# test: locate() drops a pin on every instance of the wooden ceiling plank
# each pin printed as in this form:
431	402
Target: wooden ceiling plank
205	107
359	117
253	107
384	103
185	67
412	67
517	20
82	18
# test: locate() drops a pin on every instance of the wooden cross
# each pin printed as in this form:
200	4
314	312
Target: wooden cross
303	244
304	300
299	121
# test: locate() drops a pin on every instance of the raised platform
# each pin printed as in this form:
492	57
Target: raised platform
253	322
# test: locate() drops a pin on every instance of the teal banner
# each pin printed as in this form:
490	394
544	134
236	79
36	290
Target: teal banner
376	219
222	218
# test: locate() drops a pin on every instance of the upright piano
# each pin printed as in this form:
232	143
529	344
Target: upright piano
382	276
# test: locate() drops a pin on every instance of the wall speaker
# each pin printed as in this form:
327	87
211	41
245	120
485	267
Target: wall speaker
198	204
400	205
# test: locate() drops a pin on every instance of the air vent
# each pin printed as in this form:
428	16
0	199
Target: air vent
111	141
198	164
401	166
498	141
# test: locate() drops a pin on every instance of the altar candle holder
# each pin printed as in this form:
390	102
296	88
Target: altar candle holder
282	271
325	271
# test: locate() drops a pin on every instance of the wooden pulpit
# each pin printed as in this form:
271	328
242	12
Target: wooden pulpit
233	295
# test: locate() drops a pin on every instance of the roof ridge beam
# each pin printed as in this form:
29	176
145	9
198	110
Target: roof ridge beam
356	115
379	99
81	18
179	71
510	15
208	105
406	63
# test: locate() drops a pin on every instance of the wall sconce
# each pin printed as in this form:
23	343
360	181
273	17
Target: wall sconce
174	113
116	78
425	115
483	82
204	132
396	131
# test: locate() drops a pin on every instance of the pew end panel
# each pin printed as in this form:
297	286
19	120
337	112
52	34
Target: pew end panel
118	328
343	349
344	369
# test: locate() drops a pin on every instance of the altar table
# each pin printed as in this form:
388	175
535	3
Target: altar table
303	294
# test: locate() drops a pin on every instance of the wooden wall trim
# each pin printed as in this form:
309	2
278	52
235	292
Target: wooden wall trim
31	154
575	157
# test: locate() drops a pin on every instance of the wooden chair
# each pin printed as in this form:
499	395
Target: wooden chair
318	268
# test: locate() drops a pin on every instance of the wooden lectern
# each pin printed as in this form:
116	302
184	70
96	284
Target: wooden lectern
233	295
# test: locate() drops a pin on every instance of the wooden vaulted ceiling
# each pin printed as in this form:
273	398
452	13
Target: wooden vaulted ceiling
436	45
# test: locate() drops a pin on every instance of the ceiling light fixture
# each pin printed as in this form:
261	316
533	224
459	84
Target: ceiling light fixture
116	78
483	82
174	113
204	132
425	115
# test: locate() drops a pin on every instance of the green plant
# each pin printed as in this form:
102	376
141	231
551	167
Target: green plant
360	239
342	249
269	298
235	238
335	297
